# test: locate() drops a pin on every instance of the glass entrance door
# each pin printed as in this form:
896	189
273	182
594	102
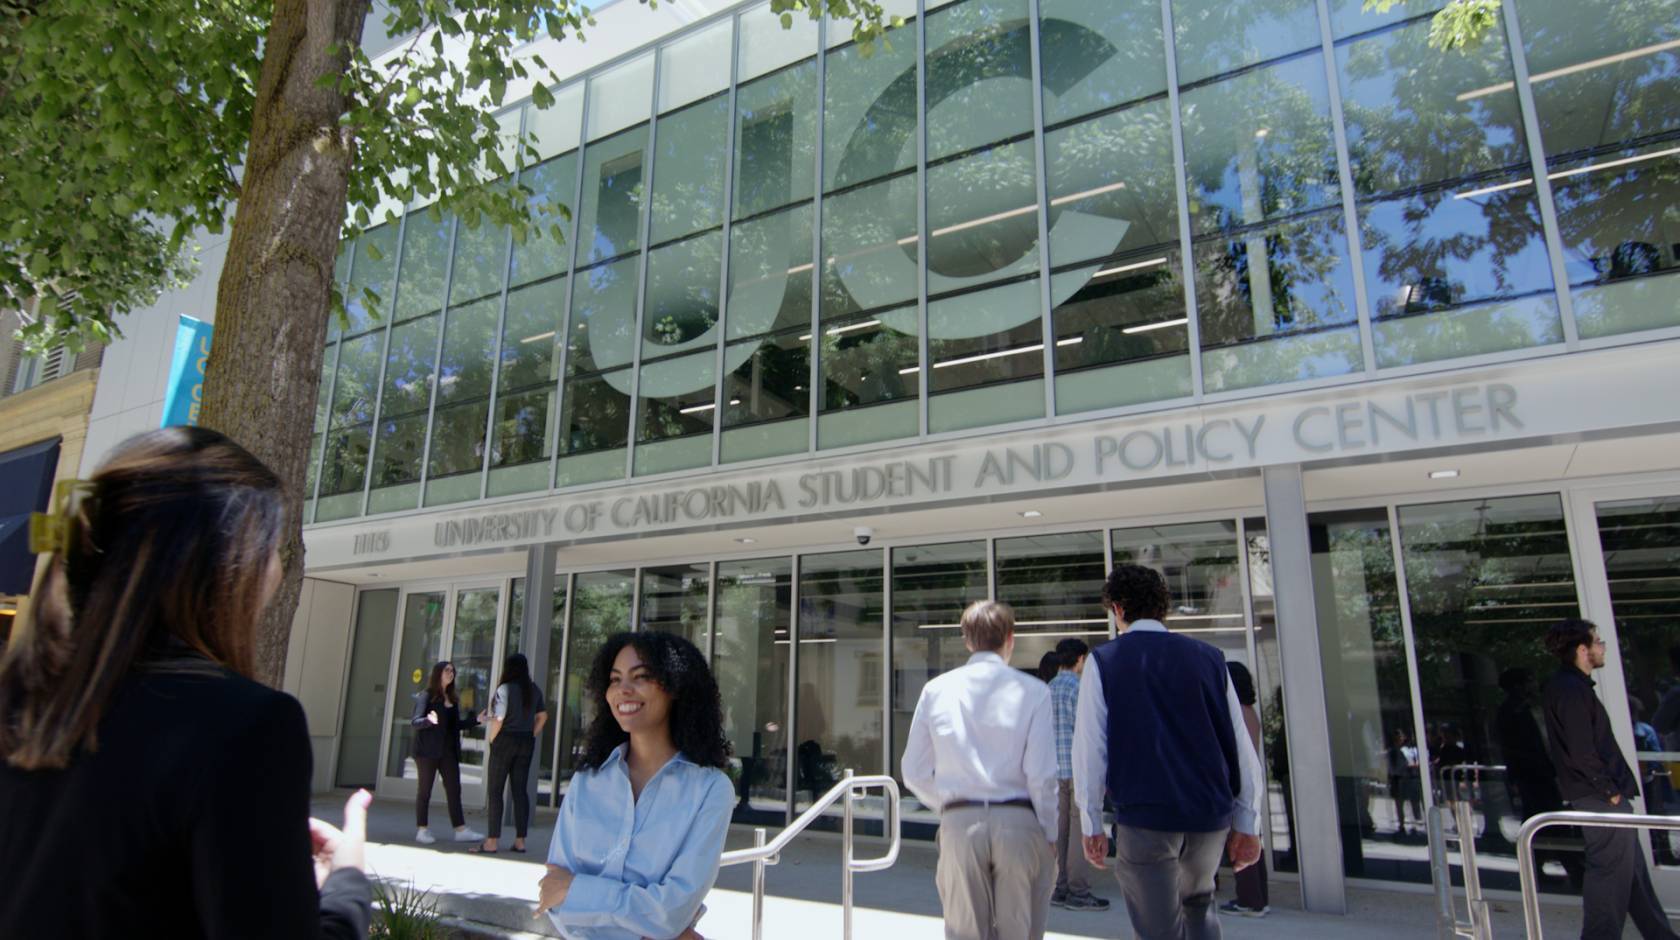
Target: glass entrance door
1634	597
457	623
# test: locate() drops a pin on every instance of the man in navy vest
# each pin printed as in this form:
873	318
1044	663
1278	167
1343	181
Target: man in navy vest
1160	730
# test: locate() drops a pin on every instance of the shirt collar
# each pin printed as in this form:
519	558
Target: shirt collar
985	656
621	754
1579	675
1147	626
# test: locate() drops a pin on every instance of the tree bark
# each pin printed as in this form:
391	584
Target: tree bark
275	295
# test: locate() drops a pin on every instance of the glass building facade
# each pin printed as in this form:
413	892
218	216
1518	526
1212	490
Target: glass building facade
779	243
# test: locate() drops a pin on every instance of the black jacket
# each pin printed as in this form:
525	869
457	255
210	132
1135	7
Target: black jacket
434	741
1584	751
191	819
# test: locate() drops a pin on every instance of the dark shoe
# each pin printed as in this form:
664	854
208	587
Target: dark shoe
515	848
1232	907
1058	900
1085	902
479	849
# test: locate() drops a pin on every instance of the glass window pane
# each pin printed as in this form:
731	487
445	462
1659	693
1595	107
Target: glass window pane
620	97
422	647
1268	282
469	336
674	599
1259	146
1445	263
979	81
1351	17
1054	581
559	126
767	380
695	66
603	317
1416	115
344	466
353	389
1378	766
1126	312
982	216
480	261
691	147
1641	539
1200	562
677	397
766	46
529	335
473	651
1485	579
425	261
545	251
752	613
869	239
680	311
374	269
595	413
1603	71
869	112
1112	186
1621	238
458	439
522	428
1219	36
776	139
839	711
601	602
610	223
1099	53
988	336
408	368
931	585
770	273
873	360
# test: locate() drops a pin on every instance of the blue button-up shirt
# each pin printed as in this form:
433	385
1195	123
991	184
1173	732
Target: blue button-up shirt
1064	698
641	868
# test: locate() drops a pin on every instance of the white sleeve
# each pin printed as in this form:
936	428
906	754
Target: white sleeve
1090	750
498	703
1247	810
916	766
1040	760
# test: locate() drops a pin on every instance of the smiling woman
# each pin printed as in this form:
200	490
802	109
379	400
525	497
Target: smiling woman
652	767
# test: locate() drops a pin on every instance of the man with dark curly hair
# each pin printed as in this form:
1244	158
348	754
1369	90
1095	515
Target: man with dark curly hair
1176	762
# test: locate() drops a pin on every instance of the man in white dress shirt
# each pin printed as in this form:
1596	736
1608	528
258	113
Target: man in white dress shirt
982	754
1176	762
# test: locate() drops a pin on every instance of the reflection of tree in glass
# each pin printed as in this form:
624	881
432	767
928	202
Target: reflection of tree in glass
861	366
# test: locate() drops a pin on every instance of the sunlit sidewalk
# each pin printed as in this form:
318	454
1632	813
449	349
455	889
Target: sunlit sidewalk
496	894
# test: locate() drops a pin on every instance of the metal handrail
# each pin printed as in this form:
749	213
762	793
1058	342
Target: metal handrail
1478	926
764	853
1525	849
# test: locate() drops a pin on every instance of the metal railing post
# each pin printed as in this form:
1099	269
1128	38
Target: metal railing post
846	866
1526	872
758	887
1440	870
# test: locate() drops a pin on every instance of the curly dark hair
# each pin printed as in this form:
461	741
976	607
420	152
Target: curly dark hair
680	669
1568	635
1140	592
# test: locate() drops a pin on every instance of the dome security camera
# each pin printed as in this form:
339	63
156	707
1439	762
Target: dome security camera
863	534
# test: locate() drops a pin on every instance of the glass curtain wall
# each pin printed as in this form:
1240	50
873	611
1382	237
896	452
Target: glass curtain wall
751	639
767	230
838	717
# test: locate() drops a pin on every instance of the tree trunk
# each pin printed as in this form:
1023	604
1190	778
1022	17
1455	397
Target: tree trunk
275	294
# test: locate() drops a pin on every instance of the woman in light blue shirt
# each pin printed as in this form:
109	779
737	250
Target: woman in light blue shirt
642	826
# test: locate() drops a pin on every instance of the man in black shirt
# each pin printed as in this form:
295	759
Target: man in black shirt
1593	776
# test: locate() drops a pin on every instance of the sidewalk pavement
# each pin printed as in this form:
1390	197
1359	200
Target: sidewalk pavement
494	895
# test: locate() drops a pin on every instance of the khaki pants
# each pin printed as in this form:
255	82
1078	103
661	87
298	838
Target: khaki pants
995	873
1072	871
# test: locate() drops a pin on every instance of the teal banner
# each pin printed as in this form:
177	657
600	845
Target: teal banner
185	393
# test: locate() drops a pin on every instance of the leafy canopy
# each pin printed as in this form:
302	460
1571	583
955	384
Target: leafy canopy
123	125
1459	24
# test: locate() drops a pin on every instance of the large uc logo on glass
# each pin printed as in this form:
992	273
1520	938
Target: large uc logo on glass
871	256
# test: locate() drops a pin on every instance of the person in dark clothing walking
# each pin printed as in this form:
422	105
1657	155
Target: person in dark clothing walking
438	724
1593	776
516	718
149	787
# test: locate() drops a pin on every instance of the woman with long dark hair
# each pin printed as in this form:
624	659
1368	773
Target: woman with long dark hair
149	785
641	830
438	724
516	718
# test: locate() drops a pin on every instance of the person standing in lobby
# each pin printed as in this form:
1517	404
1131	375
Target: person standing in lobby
1177	764
438	724
981	753
515	721
1073	877
1593	776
